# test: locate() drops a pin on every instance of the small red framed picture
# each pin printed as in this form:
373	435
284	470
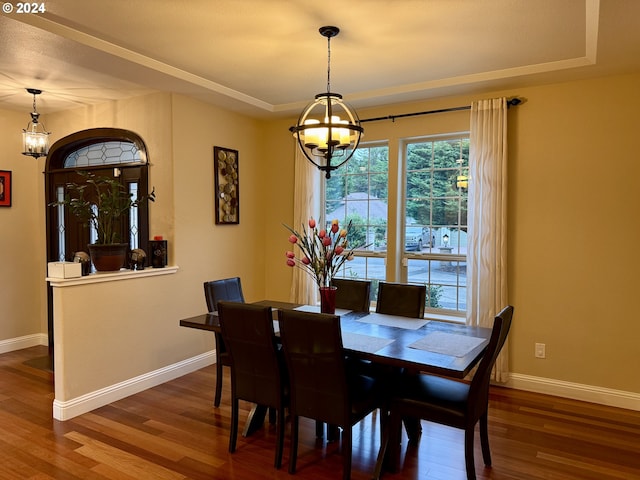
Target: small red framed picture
5	188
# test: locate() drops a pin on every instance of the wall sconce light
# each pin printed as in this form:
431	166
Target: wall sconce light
35	139
328	129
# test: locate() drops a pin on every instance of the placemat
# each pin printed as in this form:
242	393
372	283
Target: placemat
447	343
394	321
364	343
316	309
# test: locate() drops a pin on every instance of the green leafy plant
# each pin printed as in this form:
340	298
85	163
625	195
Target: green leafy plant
101	201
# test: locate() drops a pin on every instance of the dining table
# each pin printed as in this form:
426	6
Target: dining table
419	344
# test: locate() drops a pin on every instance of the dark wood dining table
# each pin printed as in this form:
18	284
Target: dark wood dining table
442	348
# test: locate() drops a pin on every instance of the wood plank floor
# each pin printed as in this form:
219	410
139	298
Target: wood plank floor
173	432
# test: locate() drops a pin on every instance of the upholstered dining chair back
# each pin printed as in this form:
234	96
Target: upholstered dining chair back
258	372
352	295
401	299
312	344
322	387
225	289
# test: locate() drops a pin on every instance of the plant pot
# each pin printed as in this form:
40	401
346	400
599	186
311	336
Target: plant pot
328	300
108	257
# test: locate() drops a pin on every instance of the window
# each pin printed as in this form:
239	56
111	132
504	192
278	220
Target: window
358	193
106	152
432	203
435	231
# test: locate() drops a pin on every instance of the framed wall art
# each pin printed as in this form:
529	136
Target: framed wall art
5	188
227	204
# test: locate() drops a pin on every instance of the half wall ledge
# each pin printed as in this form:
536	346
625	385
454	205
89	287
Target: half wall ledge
111	276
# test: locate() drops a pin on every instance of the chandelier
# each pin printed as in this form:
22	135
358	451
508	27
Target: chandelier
35	139
328	131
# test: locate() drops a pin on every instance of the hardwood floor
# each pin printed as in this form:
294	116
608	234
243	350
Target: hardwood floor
173	432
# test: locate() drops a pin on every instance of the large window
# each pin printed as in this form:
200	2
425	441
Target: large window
435	243
432	207
358	193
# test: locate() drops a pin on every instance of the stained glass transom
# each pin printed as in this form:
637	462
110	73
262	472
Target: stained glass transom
105	153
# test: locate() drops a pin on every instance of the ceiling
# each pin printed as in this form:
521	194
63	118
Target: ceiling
266	57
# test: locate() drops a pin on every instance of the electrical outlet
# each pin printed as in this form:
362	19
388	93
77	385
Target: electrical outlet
541	350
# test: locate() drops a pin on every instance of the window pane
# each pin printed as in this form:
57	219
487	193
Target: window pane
363	268
445	281
60	228
436	220
358	194
105	153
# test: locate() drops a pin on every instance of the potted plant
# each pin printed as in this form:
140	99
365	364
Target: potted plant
102	202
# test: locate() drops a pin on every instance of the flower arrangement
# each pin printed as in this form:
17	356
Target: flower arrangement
323	251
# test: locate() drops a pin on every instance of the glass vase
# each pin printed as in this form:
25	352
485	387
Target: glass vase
328	300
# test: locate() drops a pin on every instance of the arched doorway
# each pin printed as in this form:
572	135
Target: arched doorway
109	152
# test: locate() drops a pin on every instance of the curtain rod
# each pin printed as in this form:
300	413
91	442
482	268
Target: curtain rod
510	102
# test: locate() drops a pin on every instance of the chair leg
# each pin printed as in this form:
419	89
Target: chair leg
468	453
392	460
484	440
384	442
216	401
233	437
280	423
346	452
294	444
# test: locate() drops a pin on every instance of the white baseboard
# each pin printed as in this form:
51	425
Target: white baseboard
27	341
86	403
575	391
99	398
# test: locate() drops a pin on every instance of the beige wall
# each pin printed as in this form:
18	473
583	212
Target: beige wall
573	164
180	134
572	204
22	260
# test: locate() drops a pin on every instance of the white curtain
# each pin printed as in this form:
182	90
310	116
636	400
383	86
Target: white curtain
487	247
306	204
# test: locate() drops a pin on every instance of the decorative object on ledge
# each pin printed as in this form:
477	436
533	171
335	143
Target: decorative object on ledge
108	257
137	259
84	260
35	138
328	129
5	188
225	176
159	256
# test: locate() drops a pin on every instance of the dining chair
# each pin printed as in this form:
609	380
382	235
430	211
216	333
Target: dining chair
401	299
354	295
449	402
322	386
258	371
226	289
